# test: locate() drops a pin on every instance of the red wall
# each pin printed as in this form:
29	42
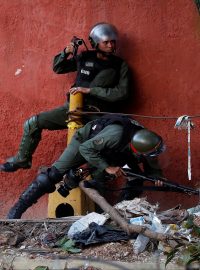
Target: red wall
159	39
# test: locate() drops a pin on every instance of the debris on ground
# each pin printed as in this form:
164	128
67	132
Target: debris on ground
136	207
185	224
83	223
106	240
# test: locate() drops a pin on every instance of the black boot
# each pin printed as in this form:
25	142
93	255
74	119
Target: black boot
14	166
44	183
17	210
29	142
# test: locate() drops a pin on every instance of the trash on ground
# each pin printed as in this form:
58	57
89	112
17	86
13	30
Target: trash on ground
83	223
97	236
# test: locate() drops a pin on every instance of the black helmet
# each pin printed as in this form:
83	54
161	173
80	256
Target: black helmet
102	32
147	143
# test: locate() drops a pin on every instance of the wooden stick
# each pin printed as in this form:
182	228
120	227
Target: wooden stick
115	216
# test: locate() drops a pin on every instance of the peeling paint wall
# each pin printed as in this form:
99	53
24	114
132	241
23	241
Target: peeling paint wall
159	39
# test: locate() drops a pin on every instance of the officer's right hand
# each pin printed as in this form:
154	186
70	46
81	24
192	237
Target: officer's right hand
75	90
159	183
69	48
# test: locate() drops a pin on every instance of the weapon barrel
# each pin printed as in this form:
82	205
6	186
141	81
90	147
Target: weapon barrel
165	181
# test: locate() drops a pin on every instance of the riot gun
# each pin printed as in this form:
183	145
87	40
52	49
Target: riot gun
167	185
75	175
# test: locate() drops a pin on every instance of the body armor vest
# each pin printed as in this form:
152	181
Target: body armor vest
88	66
129	127
88	69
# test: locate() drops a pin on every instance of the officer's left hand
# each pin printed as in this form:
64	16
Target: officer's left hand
75	90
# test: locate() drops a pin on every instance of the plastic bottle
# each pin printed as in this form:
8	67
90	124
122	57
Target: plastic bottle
83	223
140	244
137	220
142	241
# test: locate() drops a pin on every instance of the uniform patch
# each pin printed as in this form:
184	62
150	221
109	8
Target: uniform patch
86	72
94	127
99	141
89	64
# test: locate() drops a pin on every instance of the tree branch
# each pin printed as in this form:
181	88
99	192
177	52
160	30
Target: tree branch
115	216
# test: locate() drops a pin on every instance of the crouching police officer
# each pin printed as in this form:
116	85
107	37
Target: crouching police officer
102	78
105	144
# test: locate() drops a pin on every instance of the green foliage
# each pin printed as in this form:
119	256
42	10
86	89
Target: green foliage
189	224
172	254
190	254
68	245
187	253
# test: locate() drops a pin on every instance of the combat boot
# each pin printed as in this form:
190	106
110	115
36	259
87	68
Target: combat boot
17	210
44	183
28	197
15	163
28	145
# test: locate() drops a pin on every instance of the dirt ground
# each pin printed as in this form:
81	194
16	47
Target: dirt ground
27	238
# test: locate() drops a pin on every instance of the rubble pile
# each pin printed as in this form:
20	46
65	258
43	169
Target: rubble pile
183	224
95	235
136	207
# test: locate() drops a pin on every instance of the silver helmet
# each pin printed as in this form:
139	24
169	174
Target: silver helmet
102	32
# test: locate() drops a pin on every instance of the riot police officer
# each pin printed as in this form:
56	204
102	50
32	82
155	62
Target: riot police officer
102	77
106	144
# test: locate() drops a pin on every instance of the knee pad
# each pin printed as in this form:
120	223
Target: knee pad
31	126
43	182
46	181
40	186
34	191
54	175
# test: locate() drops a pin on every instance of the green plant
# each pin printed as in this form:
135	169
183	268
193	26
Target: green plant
187	254
190	252
68	245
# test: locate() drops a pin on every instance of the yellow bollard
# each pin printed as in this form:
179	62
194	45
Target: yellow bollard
76	103
76	203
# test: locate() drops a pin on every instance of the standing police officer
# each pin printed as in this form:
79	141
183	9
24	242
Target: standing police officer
106	144
102	77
